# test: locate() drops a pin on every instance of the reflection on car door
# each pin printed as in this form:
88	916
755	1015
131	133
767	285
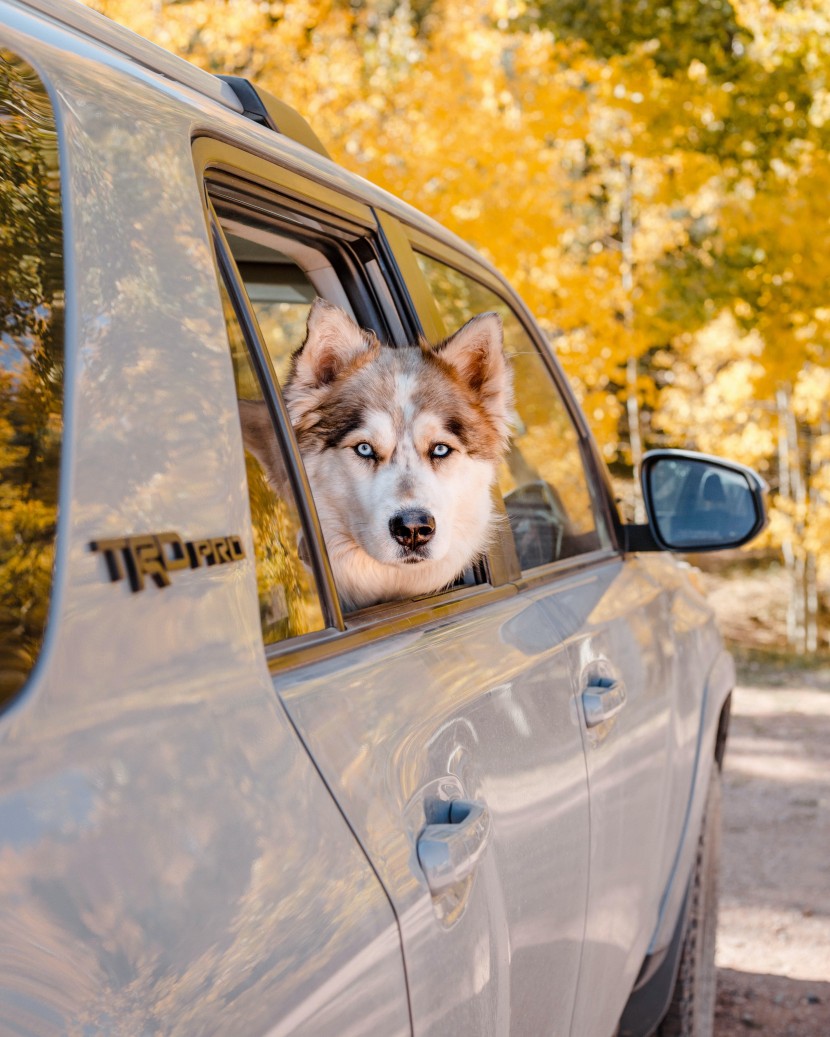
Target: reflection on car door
644	633
478	708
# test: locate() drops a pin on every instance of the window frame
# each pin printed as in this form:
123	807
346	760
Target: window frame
271	186
325	237
597	479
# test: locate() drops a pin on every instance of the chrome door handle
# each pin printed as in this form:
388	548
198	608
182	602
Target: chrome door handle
602	699
449	853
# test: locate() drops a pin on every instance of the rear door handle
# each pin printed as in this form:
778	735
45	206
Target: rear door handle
448	853
603	699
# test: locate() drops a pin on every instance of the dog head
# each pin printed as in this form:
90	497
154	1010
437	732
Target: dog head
401	447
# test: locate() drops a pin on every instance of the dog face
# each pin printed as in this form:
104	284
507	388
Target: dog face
401	448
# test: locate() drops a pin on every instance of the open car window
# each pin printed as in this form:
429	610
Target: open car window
278	275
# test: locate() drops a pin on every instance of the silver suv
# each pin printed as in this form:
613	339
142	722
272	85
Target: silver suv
226	805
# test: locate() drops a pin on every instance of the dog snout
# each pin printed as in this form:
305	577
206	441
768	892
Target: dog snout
412	528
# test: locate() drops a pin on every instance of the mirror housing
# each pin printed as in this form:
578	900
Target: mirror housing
696	502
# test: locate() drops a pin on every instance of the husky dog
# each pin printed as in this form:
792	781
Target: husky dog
401	448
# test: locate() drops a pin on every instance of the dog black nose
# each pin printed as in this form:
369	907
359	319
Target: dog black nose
412	528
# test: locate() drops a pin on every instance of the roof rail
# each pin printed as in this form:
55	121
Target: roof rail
261	107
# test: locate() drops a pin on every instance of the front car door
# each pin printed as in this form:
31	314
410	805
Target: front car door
618	618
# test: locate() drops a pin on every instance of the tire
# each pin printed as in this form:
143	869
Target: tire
692	1009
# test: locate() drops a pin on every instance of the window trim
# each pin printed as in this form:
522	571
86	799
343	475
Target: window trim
420	614
410	283
347	241
382	621
214	151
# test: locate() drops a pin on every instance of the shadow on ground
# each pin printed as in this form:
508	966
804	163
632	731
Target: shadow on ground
772	1005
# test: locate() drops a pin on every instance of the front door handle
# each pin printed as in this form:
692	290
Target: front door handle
603	699
448	853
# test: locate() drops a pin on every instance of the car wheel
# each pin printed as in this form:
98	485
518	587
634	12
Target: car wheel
692	1009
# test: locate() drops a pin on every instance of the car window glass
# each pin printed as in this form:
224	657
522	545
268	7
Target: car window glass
31	365
288	600
281	296
543	480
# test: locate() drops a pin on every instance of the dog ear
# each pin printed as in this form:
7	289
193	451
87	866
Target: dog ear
476	351
333	341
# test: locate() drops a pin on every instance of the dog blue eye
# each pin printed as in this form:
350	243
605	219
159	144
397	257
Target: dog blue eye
441	450
364	450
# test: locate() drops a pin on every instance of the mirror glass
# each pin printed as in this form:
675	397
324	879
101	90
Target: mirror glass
697	504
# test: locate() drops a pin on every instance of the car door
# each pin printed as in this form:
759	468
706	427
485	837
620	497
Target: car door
619	629
446	728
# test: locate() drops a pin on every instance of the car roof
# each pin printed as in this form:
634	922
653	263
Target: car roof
77	16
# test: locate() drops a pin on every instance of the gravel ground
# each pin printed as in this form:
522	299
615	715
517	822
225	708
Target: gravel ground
774	934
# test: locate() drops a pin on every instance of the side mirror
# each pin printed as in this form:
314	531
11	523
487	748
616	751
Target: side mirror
698	503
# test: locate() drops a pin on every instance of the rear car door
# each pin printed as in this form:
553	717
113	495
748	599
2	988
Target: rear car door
616	618
406	709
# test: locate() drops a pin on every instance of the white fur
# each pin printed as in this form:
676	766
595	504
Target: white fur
356	498
356	503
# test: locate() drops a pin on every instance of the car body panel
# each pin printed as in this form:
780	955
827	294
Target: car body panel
484	705
636	630
718	686
160	866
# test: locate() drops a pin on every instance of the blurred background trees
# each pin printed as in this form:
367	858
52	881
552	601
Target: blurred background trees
653	177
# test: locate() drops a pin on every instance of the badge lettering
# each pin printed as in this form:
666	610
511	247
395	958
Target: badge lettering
155	556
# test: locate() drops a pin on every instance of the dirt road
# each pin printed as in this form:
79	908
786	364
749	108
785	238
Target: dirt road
774	937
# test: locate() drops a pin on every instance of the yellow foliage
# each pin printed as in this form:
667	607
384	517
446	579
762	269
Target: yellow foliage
537	149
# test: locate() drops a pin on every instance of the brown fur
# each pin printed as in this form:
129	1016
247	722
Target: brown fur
346	392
